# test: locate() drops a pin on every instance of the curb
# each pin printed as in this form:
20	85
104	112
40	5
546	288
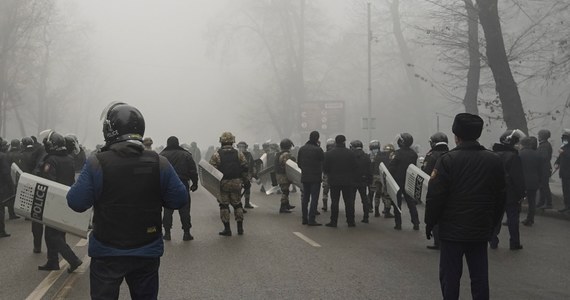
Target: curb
550	213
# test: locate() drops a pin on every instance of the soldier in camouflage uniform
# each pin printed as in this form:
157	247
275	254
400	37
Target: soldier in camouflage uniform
242	148
233	165
326	187
284	182
376	189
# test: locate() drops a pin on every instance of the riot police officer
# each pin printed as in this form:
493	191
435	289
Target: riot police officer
127	186
363	177
58	166
404	157
515	186
438	143
234	167
284	182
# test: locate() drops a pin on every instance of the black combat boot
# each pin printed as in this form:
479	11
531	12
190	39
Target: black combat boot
240	227
284	209
289	206
227	231
166	235
247	204
187	236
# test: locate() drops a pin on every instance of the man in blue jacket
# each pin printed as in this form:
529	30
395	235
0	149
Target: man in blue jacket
127	187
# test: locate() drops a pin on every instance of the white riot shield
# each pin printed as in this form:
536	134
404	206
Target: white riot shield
268	180
210	178
15	173
44	201
293	173
389	185
416	183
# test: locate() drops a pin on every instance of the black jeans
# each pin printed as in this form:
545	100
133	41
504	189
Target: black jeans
531	197
107	273
451	268
348	197
184	212
545	193
2	216
364	199
566	191
512	210
37	233
310	200
411	203
56	244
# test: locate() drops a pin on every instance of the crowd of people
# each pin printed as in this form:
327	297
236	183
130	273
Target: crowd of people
470	190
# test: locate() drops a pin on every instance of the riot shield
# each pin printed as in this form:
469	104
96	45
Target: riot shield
389	185
416	183
210	178
15	173
293	173
268	180
44	201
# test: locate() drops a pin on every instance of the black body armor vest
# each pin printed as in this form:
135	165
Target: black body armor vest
230	165
128	215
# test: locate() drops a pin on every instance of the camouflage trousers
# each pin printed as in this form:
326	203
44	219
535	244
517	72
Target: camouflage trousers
284	192
376	192
230	195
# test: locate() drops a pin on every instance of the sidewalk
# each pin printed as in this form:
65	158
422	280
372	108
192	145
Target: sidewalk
557	202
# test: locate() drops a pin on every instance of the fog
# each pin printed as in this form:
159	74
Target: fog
198	68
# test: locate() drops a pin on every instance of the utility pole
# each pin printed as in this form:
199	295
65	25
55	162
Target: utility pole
369	125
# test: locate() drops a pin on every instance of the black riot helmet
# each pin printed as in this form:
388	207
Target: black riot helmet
54	142
511	137
356	144
286	144
122	122
437	138
15	144
27	142
72	144
405	140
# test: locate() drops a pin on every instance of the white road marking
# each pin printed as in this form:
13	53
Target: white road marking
53	276
71	279
46	284
306	239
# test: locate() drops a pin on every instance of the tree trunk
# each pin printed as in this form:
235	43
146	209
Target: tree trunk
409	66
474	73
513	112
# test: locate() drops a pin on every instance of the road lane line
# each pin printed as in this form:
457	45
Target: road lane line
306	239
71	279
53	276
47	283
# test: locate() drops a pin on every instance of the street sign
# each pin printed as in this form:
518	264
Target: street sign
325	116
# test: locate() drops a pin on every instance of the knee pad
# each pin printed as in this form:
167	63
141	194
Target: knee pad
224	206
239	205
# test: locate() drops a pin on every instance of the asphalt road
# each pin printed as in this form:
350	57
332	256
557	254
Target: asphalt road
278	258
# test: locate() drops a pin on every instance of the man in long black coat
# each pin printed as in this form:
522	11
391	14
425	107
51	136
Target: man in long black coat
310	160
466	199
341	168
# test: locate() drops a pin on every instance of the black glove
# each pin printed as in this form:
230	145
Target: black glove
194	187
247	184
428	232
